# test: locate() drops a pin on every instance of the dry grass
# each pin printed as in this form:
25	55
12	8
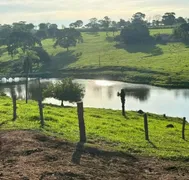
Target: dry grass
31	155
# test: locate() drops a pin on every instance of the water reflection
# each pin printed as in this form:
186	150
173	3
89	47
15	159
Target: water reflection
103	94
141	93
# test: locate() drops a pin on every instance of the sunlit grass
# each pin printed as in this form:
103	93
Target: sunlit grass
105	128
168	67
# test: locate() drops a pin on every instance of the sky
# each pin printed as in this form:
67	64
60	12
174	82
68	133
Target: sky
64	12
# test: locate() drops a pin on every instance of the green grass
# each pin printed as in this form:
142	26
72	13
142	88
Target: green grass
106	129
161	31
161	64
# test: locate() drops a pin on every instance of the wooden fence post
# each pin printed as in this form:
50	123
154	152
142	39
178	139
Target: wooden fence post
41	112
146	127
14	107
40	104
183	128
81	122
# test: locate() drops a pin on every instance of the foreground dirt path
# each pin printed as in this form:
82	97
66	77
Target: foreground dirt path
29	155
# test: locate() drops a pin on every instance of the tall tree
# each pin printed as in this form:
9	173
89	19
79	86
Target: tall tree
138	17
79	23
52	30
43	26
137	31
28	57
5	31
114	27
122	23
105	23
169	19
23	41
156	20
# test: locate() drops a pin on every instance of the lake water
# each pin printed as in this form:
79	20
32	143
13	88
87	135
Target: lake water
103	94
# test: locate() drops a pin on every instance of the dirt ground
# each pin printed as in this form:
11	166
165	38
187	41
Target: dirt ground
29	155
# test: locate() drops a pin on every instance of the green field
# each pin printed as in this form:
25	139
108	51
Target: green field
105	129
158	64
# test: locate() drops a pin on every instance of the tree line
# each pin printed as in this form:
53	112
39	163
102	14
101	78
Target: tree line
48	30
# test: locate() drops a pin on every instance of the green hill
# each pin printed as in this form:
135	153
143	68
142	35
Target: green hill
160	64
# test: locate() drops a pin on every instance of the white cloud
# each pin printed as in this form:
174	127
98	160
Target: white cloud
68	10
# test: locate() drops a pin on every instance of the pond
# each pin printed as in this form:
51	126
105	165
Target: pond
103	94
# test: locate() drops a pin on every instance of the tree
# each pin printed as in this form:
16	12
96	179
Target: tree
52	30
93	24
180	20
23	41
41	34
182	32
105	23
169	19
156	20
68	37
122	23
43	26
79	23
72	25
137	31
114	27
138	17
5	31
28	58
65	90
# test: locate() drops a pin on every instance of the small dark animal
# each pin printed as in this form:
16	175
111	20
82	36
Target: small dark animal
169	126
141	111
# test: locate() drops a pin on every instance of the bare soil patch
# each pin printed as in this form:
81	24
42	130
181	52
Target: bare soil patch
30	155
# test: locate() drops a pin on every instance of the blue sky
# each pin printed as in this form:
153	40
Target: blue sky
66	11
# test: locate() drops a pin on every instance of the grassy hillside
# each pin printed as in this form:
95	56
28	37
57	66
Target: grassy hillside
105	129
159	64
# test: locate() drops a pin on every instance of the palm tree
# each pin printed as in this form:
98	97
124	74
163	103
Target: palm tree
29	57
26	42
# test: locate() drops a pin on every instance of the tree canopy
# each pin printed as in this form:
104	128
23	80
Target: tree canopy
21	40
137	31
182	32
65	90
68	37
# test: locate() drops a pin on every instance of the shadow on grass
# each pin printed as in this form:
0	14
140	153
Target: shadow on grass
149	48
57	106
62	60
3	123
110	39
153	145
93	33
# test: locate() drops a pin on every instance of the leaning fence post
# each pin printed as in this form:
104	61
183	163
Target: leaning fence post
146	127
81	122
183	128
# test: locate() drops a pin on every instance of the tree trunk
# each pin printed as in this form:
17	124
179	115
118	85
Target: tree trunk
62	103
